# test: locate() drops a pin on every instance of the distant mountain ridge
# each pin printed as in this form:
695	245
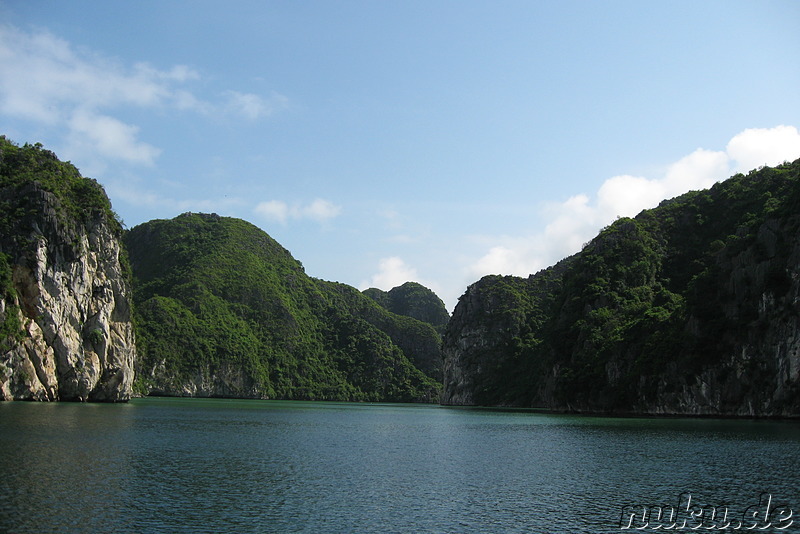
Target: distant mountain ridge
413	300
689	308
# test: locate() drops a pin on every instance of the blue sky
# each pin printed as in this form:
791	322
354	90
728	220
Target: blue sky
382	142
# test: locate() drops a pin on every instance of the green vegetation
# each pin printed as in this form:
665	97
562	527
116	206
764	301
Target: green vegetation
220	307
648	304
221	303
419	340
640	314
79	198
413	300
10	326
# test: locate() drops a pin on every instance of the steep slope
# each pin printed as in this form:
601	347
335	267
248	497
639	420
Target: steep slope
413	300
224	310
65	320
690	308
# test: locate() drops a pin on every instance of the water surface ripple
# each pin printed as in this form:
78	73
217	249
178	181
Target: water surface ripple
230	466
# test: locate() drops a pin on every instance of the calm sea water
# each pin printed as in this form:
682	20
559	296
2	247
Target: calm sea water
206	465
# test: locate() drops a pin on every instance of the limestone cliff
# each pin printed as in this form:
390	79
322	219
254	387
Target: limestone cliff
690	308
483	355
66	321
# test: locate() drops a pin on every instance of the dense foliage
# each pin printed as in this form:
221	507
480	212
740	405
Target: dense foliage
222	309
79	198
416	338
220	302
648	304
413	300
10	326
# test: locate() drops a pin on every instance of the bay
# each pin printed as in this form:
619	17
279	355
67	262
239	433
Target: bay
220	465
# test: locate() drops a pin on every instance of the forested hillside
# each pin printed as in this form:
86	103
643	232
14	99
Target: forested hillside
224	310
414	300
692	307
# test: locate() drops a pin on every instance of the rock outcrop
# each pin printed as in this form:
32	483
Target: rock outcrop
64	304
482	364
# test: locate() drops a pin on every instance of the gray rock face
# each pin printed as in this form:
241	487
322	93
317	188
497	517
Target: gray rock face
70	296
227	381
478	357
468	347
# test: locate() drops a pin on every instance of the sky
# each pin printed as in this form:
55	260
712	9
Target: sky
381	142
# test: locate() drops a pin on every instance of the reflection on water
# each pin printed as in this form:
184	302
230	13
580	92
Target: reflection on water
203	465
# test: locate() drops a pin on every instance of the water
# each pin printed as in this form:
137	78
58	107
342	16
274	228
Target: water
210	465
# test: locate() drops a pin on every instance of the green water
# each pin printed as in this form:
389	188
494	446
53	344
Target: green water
208	465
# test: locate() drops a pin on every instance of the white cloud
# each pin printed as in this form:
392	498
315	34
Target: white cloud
503	259
392	272
45	80
319	210
106	136
186	101
131	191
577	220
570	222
43	77
248	105
178	73
699	170
755	147
252	106
274	210
624	195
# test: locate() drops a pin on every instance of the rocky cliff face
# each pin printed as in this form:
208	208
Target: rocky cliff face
485	342
690	308
755	323
64	306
